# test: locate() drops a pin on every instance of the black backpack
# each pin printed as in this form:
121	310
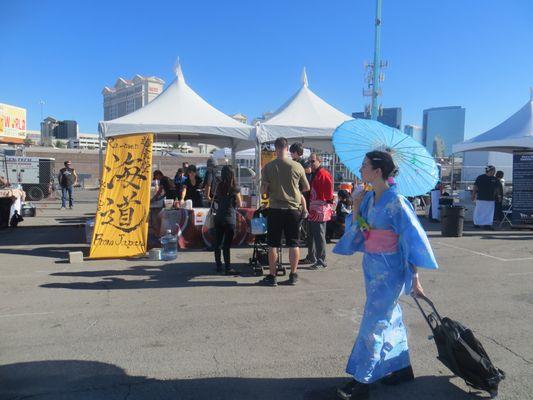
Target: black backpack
461	352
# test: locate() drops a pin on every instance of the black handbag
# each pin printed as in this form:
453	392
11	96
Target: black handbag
460	351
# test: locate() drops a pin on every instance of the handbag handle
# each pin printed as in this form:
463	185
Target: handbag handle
430	318
214	194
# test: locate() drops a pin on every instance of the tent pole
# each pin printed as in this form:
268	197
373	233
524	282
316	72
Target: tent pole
333	169
100	155
453	171
258	171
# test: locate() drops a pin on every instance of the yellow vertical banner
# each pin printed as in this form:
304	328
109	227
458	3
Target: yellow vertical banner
121	225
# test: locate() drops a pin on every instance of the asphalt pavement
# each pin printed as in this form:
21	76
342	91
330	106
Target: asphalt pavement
140	329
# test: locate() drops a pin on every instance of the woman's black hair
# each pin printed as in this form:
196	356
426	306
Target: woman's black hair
191	168
227	185
384	161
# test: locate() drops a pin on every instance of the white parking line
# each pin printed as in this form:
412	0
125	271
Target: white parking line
25	314
484	254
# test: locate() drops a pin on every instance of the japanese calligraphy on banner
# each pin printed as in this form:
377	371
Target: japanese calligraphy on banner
121	225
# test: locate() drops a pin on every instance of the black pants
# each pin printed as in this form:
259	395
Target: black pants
498	211
224	233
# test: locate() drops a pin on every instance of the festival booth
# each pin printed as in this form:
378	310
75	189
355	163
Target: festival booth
514	135
177	114
305	117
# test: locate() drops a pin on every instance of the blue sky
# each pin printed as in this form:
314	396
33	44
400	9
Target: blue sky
247	56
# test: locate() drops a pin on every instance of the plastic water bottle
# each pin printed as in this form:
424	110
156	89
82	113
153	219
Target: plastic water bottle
169	244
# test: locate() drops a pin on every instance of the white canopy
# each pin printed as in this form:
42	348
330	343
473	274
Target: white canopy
304	116
180	113
515	133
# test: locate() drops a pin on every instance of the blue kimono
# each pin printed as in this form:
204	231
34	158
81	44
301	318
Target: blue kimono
381	345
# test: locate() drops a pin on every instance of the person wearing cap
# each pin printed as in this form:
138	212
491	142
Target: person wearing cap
484	195
67	179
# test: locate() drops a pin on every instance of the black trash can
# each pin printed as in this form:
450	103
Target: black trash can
452	219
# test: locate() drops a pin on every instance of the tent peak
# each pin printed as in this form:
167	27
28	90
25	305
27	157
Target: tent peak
304	80
178	71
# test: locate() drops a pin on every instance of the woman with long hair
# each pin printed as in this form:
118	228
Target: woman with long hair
227	199
192	188
386	229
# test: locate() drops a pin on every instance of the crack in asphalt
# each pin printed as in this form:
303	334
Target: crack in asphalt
529	362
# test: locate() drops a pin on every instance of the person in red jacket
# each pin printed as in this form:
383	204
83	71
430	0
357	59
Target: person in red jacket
320	210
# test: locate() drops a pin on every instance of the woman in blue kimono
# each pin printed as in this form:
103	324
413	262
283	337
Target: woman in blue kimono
385	228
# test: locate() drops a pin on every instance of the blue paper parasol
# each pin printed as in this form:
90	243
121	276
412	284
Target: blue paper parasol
418	172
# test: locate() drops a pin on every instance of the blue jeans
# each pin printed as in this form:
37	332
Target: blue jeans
64	191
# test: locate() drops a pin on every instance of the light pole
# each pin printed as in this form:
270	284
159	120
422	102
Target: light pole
377	62
41	103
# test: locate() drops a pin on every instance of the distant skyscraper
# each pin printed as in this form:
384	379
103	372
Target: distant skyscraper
446	122
66	130
438	147
52	129
415	132
130	95
388	116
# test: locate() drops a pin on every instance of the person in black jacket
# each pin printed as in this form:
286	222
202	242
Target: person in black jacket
227	199
192	190
166	186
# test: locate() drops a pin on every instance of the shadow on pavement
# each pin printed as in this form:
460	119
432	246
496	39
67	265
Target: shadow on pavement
72	220
60	253
148	277
72	379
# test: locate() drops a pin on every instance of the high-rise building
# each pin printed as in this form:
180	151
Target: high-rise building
388	116
48	128
52	129
66	130
415	132
438	147
130	95
446	122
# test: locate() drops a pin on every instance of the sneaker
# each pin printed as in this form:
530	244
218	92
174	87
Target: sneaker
318	265
62	208
219	268
401	376
71	207
269	280
306	261
293	278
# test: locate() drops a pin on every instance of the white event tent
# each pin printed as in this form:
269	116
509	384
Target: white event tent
179	113
304	117
515	133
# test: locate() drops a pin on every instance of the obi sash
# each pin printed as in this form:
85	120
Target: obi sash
380	241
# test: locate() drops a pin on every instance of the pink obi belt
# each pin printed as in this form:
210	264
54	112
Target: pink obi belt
381	241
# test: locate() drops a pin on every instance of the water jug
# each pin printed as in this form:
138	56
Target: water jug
169	246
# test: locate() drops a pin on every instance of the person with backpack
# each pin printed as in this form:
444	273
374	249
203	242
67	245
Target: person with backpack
227	199
384	227
67	178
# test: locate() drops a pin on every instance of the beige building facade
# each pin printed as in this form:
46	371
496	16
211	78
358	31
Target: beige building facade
130	95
